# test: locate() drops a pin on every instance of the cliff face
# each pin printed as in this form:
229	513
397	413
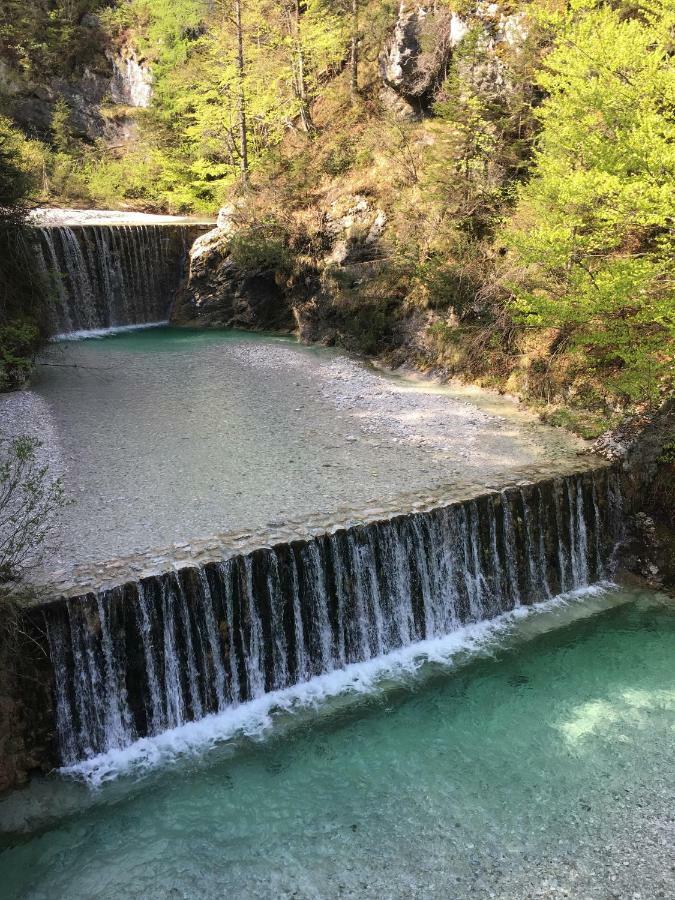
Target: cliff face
98	93
647	451
27	725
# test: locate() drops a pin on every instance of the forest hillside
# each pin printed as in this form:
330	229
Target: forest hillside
474	189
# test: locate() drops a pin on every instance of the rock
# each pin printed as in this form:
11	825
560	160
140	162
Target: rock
218	294
227	216
119	75
377	227
131	82
352	227
648	486
414	60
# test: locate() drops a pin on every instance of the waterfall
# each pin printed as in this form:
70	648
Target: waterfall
170	648
107	276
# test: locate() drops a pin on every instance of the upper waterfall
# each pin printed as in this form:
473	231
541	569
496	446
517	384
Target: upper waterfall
109	270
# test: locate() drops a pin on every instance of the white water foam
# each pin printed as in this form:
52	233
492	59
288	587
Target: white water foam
256	717
105	332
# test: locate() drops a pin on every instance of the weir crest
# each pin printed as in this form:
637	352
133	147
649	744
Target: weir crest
150	655
112	275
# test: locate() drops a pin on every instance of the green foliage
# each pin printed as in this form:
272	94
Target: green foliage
19	341
47	38
593	228
341	157
29	497
22	288
17	179
588	425
667	455
62	134
262	247
191	136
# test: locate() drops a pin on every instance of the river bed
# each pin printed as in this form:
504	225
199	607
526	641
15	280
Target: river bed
166	437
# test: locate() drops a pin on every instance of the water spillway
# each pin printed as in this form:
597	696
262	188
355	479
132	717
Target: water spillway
104	276
150	655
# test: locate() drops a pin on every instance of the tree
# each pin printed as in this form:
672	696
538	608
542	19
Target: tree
241	94
29	497
593	228
23	325
316	40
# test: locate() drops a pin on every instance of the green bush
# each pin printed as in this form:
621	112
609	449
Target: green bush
19	343
262	248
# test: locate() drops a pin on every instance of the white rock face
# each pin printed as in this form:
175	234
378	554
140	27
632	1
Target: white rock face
458	30
131	83
205	243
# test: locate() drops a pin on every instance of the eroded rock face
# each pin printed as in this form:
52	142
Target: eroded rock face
117	77
646	449
33	106
131	83
417	56
219	294
415	59
27	725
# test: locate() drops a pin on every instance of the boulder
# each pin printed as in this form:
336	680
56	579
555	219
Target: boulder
414	61
218	294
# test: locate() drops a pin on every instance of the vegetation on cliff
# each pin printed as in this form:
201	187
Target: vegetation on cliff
22	287
484	190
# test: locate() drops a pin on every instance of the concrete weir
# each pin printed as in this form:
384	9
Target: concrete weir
96	671
105	271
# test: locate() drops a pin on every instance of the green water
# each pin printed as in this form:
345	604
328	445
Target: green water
543	768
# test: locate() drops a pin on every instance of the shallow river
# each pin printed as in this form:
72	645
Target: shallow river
537	764
166	436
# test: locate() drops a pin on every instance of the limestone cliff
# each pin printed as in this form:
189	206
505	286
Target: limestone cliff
99	94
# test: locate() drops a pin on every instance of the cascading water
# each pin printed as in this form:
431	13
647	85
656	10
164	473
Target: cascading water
171	648
107	276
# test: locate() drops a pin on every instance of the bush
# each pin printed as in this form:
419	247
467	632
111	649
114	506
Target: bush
262	248
22	288
19	343
29	497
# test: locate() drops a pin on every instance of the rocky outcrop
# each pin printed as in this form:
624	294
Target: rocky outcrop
32	106
414	61
114	77
235	289
645	447
131	83
497	34
418	54
219	293
337	310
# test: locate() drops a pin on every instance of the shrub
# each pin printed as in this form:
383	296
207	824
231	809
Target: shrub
262	248
29	497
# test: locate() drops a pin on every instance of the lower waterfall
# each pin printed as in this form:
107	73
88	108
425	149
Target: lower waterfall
148	656
106	276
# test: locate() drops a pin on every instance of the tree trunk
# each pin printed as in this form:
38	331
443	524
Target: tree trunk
241	96
354	55
299	67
